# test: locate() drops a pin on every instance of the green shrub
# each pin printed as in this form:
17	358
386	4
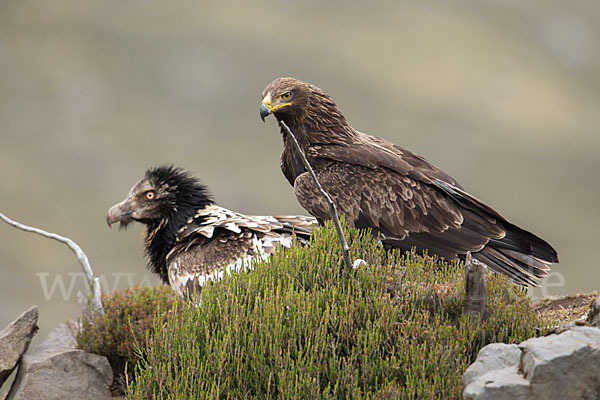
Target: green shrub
129	314
302	327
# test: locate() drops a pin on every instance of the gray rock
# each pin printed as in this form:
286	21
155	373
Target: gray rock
568	364
15	340
558	366
63	337
494	356
56	370
593	317
501	384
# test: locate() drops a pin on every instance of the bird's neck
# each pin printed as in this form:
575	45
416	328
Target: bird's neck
160	237
312	129
326	126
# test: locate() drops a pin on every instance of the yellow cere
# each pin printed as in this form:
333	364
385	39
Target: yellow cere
268	103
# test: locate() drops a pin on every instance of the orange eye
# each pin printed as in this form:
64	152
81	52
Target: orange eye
150	195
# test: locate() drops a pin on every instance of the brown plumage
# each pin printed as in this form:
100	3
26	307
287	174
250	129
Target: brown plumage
190	240
393	191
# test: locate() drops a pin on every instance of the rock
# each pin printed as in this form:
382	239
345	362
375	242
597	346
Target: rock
558	366
501	384
593	317
568	364
56	370
15	340
63	337
492	357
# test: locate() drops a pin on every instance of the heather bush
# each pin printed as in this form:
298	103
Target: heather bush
129	314
300	326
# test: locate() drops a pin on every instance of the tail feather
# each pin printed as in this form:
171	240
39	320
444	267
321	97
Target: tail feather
540	266
524	242
514	270
520	255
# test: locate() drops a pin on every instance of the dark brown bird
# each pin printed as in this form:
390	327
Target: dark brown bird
393	191
189	239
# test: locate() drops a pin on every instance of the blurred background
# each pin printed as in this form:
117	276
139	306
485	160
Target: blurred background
503	95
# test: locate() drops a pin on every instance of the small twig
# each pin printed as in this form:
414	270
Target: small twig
474	287
93	282
332	209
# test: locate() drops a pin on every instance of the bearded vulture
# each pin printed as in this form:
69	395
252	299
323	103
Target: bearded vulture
189	240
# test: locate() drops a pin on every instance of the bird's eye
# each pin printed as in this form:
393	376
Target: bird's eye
150	195
286	95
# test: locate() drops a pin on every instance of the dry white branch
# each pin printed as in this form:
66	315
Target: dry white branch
93	282
332	209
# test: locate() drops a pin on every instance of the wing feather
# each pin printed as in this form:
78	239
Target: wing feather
427	213
217	241
422	213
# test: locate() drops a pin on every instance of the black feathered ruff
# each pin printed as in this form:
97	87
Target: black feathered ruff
188	196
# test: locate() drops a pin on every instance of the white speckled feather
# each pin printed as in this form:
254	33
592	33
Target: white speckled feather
218	241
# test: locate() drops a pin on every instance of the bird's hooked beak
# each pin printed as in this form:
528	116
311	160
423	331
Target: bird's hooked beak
117	213
266	107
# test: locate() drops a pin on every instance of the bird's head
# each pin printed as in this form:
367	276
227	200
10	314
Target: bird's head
288	98
307	110
161	193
